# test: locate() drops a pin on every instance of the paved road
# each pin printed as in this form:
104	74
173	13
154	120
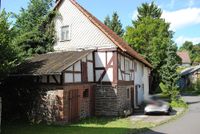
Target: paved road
188	124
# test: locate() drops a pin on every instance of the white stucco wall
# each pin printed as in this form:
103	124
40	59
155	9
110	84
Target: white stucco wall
139	81
142	79
83	33
146	82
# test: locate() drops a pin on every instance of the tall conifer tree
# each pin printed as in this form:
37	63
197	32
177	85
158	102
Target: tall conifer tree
114	24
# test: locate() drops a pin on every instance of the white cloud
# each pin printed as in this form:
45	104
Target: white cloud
181	39
182	18
135	13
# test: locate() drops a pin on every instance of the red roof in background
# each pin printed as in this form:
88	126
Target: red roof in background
118	41
184	55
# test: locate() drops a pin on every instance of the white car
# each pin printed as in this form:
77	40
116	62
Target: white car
157	107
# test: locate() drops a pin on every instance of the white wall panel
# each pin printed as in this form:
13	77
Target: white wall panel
90	56
100	59
127	78
146	82
70	68
90	72
127	65
77	77
109	56
122	63
77	66
68	77
98	74
119	74
109	75
132	76
84	59
131	64
84	35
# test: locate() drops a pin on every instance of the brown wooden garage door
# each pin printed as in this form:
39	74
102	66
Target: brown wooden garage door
73	105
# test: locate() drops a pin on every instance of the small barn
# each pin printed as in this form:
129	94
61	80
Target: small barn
58	72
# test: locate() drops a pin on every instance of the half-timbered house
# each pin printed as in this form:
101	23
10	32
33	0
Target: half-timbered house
92	69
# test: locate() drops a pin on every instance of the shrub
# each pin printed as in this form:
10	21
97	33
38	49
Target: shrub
172	92
179	103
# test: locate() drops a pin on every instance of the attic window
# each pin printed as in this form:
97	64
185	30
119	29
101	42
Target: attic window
65	34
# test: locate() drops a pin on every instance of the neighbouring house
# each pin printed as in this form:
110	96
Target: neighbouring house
189	76
93	71
185	58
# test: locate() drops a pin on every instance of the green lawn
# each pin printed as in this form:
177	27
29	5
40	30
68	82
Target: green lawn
89	126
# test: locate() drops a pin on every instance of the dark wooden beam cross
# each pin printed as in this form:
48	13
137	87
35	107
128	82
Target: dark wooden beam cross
54	77
106	69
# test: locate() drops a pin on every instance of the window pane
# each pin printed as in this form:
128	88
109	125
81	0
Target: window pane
65	33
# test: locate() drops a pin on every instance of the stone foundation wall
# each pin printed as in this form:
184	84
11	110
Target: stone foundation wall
124	100
112	101
106	101
55	103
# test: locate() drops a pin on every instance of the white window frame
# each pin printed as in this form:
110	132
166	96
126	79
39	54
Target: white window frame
69	36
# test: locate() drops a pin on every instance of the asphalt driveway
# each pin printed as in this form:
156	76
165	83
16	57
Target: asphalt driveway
188	124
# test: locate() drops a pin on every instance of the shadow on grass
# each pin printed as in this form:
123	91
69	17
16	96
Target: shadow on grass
87	126
97	120
76	130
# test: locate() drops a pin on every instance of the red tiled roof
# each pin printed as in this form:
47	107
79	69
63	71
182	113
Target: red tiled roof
119	42
184	55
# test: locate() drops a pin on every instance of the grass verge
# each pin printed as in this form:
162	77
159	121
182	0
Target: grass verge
88	126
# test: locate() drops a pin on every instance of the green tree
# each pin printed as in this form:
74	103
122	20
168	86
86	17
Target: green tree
187	45
8	53
149	10
150	36
169	74
107	21
194	50
195	53
114	24
35	27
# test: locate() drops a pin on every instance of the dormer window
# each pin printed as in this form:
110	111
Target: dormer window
65	33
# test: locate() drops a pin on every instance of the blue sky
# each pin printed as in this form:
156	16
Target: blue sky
184	15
